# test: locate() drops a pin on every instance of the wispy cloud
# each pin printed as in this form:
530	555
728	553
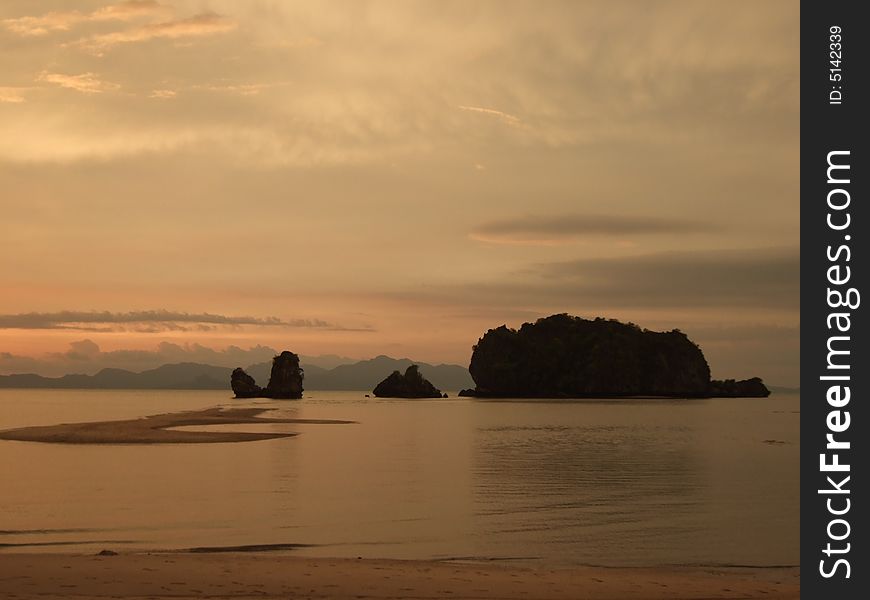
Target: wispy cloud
506	118
148	321
65	20
243	89
203	24
130	9
163	94
87	83
11	95
559	229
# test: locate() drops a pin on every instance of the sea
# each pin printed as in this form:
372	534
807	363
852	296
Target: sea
592	482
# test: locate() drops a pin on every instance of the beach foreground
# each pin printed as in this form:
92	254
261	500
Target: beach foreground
270	575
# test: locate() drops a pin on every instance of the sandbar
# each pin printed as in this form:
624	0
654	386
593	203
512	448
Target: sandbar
155	429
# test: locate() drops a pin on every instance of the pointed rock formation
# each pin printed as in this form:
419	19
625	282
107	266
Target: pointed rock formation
285	381
244	385
286	378
410	385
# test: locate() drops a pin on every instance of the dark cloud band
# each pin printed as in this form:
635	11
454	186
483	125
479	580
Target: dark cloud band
148	320
764	277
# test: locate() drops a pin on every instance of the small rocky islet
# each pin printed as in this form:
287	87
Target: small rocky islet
560	356
285	381
411	384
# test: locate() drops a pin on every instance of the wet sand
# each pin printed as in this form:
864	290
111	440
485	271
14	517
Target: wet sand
156	429
257	575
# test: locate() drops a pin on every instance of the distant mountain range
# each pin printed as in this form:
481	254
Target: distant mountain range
362	375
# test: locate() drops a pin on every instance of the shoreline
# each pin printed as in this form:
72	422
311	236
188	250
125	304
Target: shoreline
254	574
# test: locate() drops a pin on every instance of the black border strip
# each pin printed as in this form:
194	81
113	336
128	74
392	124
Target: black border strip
833	112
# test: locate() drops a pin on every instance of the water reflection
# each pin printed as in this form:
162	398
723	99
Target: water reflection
583	485
589	482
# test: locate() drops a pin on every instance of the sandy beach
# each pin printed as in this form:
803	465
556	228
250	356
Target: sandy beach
272	575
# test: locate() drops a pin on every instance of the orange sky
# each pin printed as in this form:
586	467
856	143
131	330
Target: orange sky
394	177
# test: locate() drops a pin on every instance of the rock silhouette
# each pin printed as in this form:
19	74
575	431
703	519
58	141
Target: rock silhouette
746	388
286	378
244	385
410	385
285	381
562	356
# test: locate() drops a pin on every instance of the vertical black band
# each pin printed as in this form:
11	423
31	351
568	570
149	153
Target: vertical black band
834	361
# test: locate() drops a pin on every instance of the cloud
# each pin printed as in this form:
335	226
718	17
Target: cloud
16	363
566	228
203	24
506	118
86	356
763	277
149	321
388	88
11	95
163	94
243	89
129	10
63	21
166	352
87	83
83	350
687	281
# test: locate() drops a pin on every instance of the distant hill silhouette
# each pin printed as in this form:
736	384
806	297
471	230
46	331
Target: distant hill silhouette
366	374
363	375
175	376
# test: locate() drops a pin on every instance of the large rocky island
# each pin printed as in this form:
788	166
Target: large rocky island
562	356
410	385
285	381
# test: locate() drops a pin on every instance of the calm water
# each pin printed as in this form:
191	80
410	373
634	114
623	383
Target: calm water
593	482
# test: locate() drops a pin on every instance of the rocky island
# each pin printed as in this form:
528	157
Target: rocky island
746	388
285	381
410	385
563	356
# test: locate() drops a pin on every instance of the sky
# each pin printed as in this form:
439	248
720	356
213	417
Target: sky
212	180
